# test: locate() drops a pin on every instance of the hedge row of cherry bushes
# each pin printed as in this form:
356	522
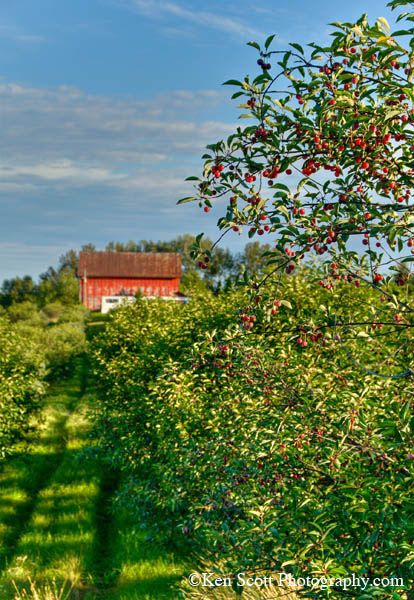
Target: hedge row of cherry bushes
36	348
263	441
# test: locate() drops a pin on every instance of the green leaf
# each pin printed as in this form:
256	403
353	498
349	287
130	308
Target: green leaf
254	45
186	199
236	95
402	32
297	47
233	82
269	41
281	186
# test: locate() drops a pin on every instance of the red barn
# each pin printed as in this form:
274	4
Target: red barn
127	273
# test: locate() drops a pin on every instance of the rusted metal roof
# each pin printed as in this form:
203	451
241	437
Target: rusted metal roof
130	264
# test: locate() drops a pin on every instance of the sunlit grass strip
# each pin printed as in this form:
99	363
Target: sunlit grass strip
29	471
58	537
57	526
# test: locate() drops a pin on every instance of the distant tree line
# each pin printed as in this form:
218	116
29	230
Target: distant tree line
60	284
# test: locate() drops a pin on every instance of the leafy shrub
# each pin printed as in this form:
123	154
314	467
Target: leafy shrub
33	352
26	312
22	369
56	312
238	438
63	342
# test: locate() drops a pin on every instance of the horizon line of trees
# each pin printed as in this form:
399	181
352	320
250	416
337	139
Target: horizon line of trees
60	284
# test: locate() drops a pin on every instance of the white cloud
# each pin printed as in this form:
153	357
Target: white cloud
159	9
13	33
59	170
65	137
76	168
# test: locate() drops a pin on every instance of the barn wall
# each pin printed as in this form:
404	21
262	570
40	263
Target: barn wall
114	286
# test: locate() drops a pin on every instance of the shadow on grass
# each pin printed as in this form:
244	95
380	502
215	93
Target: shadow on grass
40	471
57	519
31	470
103	571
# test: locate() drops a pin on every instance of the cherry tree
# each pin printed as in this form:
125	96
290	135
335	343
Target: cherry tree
325	165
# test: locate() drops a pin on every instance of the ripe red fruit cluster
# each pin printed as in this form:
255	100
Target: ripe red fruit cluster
316	337
247	321
271	173
298	211
217	170
203	264
276	305
327	285
261	133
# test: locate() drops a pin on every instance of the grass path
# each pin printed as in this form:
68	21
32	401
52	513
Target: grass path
56	517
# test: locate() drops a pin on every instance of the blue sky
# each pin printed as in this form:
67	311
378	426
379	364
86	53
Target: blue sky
106	106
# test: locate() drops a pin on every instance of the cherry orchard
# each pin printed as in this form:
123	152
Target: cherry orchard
327	166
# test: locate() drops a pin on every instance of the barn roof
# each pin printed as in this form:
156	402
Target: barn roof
130	264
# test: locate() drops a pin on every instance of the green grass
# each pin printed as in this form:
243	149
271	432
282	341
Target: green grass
57	524
145	571
96	324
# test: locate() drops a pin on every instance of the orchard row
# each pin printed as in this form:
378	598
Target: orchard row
239	423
